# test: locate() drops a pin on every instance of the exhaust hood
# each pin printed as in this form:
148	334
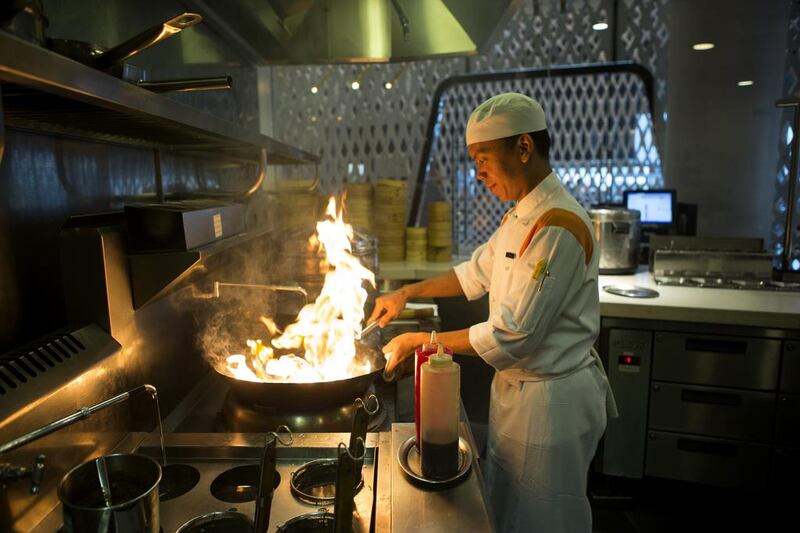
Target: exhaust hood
352	31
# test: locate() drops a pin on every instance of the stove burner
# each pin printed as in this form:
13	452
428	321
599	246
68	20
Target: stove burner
239	484
177	480
244	417
315	482
309	523
713	282
218	522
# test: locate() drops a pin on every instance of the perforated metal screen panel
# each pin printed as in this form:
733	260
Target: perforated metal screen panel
602	132
780	205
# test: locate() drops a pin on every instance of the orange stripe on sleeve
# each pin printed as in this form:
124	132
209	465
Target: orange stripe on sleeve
568	220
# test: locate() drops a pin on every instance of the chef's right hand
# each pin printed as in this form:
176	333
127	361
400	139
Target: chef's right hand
388	307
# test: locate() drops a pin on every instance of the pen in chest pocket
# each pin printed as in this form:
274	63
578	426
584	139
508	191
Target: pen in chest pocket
541	280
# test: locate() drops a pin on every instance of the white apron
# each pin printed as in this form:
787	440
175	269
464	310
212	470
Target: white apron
542	436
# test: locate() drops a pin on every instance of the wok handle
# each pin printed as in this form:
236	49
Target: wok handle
197	84
358	433
145	40
266	483
345	488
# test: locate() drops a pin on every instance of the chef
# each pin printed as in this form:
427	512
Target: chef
550	395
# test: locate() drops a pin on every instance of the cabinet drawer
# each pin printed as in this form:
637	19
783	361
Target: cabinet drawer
719	462
790	374
786	471
741	362
731	413
787	424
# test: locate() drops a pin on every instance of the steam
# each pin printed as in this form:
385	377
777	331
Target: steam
279	319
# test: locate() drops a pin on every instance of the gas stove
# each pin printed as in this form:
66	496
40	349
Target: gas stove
211	407
242	416
716	282
211	477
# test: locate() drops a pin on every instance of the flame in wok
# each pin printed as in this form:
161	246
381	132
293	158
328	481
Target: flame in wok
325	331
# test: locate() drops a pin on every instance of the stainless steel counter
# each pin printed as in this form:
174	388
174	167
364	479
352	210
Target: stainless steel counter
461	508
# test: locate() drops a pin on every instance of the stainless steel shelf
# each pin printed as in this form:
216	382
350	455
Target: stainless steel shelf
45	92
154	274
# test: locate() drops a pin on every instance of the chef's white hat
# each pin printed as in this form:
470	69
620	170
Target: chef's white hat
504	115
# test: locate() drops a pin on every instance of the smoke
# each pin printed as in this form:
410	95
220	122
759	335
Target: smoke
226	320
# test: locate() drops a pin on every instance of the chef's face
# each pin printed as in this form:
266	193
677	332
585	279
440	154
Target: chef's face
498	166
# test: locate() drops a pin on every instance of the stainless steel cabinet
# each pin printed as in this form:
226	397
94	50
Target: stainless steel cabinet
787	426
628	363
744	362
790	373
704	403
713	411
707	460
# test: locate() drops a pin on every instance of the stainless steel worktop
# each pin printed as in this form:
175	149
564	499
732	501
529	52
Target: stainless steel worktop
462	508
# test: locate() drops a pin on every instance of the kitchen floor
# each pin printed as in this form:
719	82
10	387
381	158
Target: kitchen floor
661	506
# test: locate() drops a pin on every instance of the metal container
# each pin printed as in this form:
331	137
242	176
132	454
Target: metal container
133	505
618	232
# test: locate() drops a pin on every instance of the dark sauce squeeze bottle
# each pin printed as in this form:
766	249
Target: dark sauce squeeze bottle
421	355
439	395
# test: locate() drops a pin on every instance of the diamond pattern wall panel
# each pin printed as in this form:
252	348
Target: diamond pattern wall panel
376	132
781	204
360	135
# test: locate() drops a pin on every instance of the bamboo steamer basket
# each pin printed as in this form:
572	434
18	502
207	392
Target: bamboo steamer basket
440	229
389	200
298	202
416	244
440	254
358	207
438	211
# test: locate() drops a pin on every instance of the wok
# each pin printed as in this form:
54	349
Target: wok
112	61
307	396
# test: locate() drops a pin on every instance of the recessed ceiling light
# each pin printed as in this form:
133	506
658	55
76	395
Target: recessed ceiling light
744	83
314	89
388	85
703	46
355	85
600	26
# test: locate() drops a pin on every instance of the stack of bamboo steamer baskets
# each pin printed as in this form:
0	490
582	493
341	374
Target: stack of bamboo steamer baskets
440	232
358	208
416	244
389	220
298	202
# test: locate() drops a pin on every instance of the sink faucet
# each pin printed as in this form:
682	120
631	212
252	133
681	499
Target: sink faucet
9	473
219	284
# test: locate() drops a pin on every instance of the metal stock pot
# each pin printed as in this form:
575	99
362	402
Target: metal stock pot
133	485
618	232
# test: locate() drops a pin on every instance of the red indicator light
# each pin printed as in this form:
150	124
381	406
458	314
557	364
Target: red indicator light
628	360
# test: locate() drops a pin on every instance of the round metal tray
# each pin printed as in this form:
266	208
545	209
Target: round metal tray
408	457
631	291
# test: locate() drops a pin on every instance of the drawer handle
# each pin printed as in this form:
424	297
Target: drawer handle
708	448
715	346
714	398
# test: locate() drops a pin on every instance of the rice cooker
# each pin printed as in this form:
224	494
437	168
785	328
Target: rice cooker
618	232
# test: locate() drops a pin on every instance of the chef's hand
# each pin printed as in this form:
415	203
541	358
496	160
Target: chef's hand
401	347
388	306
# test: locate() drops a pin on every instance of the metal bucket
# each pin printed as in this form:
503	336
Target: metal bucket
133	507
618	232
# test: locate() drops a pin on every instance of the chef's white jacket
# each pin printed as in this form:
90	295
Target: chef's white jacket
550	395
544	303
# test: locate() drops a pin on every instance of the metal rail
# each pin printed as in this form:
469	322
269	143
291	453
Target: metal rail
466	79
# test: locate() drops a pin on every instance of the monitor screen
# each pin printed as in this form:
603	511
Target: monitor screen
655	206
